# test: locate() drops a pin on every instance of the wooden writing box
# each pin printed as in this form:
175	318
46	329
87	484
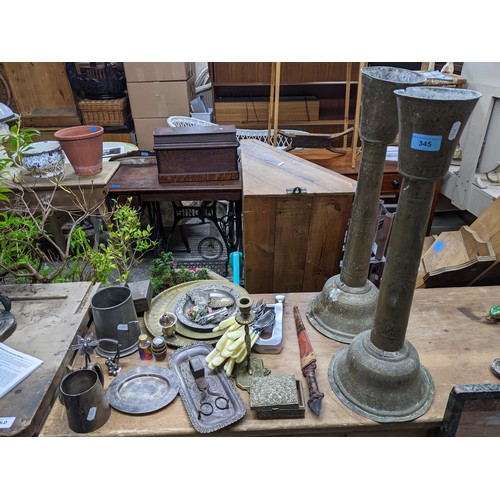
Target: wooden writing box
185	154
292	242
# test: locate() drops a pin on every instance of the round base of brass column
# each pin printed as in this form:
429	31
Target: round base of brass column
341	312
382	386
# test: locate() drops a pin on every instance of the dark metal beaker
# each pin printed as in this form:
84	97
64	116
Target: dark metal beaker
115	318
82	394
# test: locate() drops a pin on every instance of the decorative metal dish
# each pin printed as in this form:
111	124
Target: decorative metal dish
205	295
167	301
143	389
210	398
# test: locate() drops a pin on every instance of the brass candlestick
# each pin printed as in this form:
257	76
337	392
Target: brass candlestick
346	306
252	367
246	317
379	375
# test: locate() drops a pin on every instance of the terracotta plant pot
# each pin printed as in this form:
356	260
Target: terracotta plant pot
83	147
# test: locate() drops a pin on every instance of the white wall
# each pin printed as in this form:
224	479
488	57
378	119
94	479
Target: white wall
487	73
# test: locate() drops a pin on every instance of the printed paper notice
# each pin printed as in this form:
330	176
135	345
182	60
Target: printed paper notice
15	366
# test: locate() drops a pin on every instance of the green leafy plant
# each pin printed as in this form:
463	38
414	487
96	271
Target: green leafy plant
29	252
12	147
126	245
164	274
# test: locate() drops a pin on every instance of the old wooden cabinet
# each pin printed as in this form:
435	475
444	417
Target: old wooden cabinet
291	242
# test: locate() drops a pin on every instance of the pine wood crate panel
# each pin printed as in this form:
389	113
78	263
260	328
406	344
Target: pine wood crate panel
255	111
291	242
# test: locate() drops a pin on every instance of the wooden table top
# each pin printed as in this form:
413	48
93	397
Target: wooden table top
142	179
71	180
48	319
268	171
447	327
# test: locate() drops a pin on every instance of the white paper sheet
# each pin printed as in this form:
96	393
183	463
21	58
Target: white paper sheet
15	366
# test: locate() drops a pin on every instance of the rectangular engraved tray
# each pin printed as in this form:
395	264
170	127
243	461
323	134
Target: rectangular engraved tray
222	405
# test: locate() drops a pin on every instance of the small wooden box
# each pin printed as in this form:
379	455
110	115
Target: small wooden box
186	154
292	242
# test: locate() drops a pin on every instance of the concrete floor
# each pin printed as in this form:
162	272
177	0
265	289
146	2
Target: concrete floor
194	233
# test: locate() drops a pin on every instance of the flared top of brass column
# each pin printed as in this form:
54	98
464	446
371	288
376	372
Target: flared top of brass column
379	115
431	121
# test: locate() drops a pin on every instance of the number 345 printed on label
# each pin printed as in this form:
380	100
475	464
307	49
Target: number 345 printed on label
424	142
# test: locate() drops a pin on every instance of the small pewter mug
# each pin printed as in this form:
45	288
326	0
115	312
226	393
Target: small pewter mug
82	394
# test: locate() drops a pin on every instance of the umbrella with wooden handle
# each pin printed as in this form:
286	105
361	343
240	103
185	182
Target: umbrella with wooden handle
308	364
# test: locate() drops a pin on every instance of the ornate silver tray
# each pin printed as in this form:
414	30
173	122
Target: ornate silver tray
216	291
143	389
214	408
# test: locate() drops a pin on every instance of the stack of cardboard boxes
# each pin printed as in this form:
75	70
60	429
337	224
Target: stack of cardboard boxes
156	91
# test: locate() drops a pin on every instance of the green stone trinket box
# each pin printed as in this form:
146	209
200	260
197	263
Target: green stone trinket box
277	396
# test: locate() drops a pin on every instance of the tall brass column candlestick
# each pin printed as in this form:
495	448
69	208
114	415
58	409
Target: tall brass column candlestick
379	375
346	306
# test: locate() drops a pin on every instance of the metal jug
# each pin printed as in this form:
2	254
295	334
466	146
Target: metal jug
8	321
82	394
115	318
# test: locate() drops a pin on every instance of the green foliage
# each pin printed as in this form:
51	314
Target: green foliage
19	246
164	274
17	142
125	247
23	235
12	147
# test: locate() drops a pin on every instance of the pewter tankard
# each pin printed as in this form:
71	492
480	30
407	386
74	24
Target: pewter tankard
115	318
82	394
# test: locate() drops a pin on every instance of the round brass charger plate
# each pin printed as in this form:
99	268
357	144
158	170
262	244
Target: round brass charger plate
167	301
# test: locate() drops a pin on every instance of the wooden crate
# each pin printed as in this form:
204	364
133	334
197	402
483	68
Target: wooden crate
231	111
291	242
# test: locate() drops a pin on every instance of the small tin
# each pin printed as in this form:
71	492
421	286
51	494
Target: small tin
145	347
159	348
277	396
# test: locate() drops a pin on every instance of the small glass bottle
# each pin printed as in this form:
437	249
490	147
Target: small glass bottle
144	347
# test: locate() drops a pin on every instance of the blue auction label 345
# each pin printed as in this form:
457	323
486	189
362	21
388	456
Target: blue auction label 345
424	142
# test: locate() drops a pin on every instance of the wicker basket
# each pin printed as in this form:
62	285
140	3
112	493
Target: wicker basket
104	112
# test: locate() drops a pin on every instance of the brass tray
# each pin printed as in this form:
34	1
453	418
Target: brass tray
167	300
143	389
220	388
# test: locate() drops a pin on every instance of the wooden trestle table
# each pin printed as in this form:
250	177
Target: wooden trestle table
447	327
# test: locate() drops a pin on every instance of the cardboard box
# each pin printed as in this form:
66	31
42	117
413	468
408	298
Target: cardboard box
144	129
160	99
158	71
